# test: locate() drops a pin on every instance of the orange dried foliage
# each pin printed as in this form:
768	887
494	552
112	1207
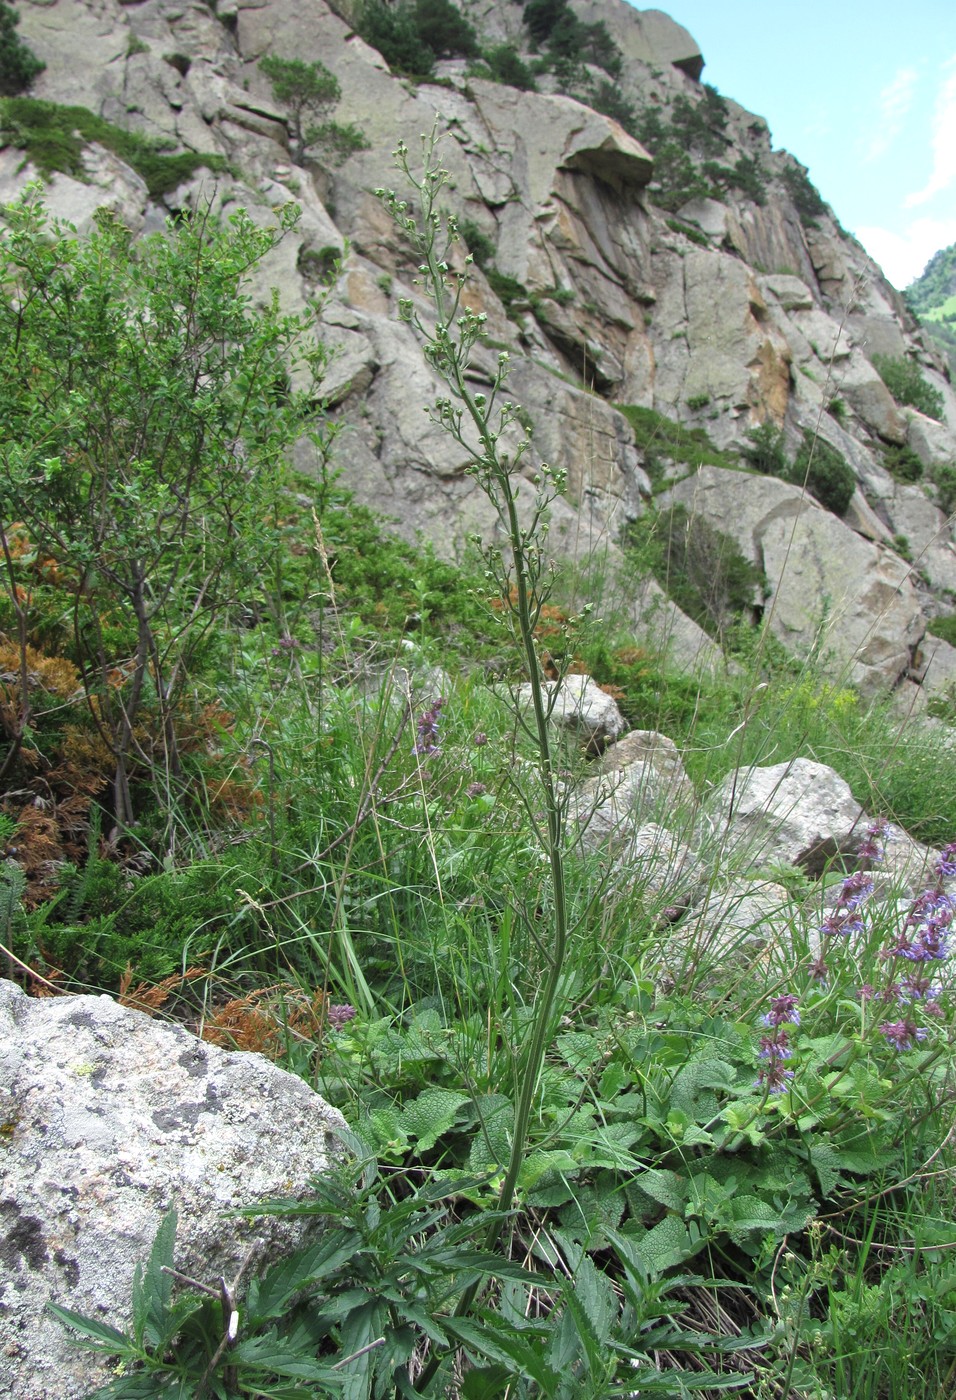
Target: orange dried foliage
234	798
263	1020
147	997
55	674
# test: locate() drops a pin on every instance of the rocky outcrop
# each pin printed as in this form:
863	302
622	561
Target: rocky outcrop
847	600
740	310
109	1120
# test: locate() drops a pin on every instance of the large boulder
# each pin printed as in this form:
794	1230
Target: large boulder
110	1119
797	813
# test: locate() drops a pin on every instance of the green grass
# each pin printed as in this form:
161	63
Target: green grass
53	137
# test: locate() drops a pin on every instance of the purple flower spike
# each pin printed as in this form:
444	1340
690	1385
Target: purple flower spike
856	890
946	864
428	741
902	1035
783	1012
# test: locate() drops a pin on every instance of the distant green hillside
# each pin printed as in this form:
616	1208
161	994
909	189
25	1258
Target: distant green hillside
933	299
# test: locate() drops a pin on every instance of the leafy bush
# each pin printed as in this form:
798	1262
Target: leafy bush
507	66
905	382
699	567
805	196
54	138
412	35
944	479
826	473
448	33
394	31
141	510
690	231
19	66
818	467
479	245
902	463
552	24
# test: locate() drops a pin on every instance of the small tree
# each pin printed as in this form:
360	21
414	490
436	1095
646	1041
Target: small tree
309	92
19	66
144	418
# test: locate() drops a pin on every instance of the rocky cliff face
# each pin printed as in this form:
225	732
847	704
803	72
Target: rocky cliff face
694	273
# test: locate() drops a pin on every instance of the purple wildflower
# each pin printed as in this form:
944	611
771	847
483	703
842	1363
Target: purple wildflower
946	864
872	845
902	1035
783	1011
339	1016
855	890
480	739
475	790
775	1049
842	922
428	741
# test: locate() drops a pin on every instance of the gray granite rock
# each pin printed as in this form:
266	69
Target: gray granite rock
110	1119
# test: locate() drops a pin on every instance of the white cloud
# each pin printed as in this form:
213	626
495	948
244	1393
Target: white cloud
895	101
943	172
903	256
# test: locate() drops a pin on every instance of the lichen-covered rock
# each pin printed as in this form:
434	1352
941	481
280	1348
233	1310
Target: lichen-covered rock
109	1120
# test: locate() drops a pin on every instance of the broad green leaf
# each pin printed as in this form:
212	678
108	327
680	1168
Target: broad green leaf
430	1115
665	1187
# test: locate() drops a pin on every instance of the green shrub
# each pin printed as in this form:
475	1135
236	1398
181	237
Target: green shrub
507	289
746	175
553	25
19	66
765	450
826	473
507	66
699	567
905	382
944	479
395	32
902	463
309	92
805	196
448	33
690	231
479	245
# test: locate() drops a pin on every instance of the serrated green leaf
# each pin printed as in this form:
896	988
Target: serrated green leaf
269	1295
486	1383
665	1187
431	1115
152	1288
501	1344
669	1243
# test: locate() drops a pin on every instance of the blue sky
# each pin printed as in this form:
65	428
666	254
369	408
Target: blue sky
865	98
